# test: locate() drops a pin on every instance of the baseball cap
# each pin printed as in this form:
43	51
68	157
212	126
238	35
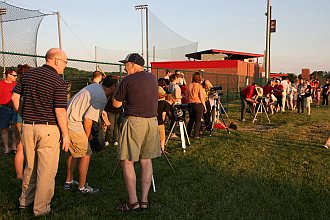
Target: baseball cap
109	81
134	58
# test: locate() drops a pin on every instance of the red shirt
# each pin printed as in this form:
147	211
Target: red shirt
249	91
268	89
278	89
6	90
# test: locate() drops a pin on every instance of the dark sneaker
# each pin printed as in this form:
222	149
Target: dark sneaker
71	185
88	190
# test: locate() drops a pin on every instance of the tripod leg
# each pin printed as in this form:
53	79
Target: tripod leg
186	133
212	121
255	117
263	106
114	171
223	109
183	140
168	161
220	114
169	135
153	183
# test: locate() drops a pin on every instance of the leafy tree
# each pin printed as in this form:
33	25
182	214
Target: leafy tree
292	77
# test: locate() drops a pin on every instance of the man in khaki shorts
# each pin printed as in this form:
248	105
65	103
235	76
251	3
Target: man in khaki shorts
139	138
84	108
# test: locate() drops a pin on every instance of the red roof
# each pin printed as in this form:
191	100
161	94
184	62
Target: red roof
232	55
195	64
277	75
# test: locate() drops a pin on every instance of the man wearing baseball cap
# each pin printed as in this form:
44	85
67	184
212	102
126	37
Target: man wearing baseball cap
139	136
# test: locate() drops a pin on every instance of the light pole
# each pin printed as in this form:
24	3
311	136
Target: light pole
59	30
268	35
3	11
144	7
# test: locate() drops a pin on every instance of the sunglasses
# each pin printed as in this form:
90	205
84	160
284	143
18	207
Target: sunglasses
13	75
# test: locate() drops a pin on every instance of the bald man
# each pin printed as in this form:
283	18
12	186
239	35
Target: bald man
45	123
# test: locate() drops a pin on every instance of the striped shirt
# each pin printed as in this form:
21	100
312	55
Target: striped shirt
42	90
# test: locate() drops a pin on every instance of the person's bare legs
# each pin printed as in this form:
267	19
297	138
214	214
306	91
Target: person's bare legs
19	160
146	176
4	135
14	138
162	145
70	165
130	180
83	169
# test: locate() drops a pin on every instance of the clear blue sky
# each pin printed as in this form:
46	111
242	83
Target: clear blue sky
302	39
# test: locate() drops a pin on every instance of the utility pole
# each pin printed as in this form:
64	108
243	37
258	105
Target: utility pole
3	11
144	7
59	30
268	36
95	54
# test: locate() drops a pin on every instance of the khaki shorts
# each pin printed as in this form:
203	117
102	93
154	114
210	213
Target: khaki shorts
79	144
161	132
139	139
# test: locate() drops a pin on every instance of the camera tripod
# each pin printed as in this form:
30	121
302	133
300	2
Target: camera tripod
183	133
216	115
261	108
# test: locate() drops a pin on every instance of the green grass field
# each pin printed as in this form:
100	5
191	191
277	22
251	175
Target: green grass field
259	171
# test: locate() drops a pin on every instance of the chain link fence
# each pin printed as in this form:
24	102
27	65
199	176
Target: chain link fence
79	73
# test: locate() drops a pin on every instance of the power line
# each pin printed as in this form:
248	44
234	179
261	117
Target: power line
79	41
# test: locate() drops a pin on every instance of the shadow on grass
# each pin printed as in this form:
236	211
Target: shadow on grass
211	182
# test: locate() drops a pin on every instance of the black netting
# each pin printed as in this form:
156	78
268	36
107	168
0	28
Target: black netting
164	44
20	30
167	44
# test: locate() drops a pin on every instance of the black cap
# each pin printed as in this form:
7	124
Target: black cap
134	58
109	81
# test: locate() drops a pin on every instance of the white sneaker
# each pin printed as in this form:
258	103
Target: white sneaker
115	144
106	143
89	190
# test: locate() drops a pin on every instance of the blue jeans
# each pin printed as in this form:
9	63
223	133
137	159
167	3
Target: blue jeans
6	116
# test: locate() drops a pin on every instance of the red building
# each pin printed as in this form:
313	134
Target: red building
214	61
278	75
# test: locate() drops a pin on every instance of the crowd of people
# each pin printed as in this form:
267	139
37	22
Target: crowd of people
111	112
280	95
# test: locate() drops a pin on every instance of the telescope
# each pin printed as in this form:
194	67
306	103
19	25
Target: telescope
178	109
216	88
216	91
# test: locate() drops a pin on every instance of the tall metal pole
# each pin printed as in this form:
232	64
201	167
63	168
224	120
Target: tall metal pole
144	7
59	30
153	53
142	46
267	63
147	37
3	11
95	58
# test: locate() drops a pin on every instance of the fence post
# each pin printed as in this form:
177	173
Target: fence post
227	89
238	80
120	72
